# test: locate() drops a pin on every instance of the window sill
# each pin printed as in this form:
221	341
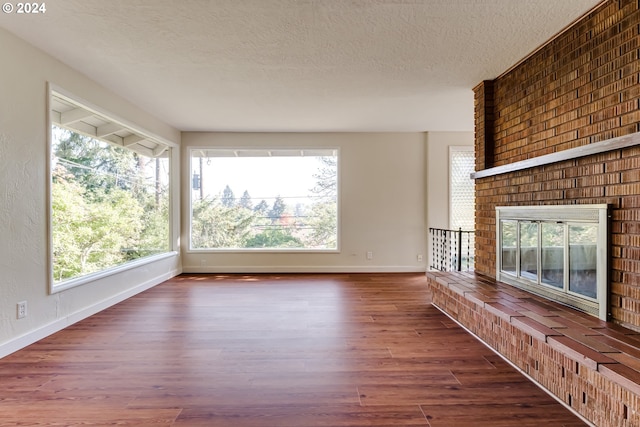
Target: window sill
78	281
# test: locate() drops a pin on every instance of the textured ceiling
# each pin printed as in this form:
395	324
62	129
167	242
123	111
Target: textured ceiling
297	65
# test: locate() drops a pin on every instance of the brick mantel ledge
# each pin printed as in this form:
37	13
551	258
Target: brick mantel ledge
591	365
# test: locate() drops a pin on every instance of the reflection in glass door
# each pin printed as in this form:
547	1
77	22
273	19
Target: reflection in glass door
552	260
583	259
509	246
529	250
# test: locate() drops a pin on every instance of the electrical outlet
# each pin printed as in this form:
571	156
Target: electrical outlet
21	309
419	257
369	255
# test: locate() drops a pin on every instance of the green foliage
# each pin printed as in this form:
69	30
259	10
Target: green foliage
214	225
262	208
104	211
583	234
95	163
324	213
154	237
69	224
509	233
552	235
228	199
326	177
245	200
324	226
221	222
90	235
528	234
274	238
278	208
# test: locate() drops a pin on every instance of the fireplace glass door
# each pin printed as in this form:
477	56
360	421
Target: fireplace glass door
559	252
509	230
529	250
552	260
583	261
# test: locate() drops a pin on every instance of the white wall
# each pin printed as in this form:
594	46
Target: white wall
24	74
437	183
384	207
381	204
438	144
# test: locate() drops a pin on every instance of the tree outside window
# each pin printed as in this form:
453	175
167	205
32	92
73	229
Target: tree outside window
288	199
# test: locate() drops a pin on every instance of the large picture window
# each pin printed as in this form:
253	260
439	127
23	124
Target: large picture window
109	194
260	199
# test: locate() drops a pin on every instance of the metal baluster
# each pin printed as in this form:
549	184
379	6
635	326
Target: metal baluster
433	248
468	251
446	249
440	248
445	243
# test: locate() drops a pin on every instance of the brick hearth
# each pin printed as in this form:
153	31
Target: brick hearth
591	365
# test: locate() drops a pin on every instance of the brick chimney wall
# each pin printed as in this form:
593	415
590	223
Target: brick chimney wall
582	87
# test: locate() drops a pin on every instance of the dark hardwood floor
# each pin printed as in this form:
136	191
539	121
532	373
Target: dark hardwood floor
267	350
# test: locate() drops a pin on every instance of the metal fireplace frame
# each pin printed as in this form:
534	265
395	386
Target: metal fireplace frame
559	214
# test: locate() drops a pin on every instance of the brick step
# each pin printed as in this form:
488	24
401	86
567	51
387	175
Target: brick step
506	317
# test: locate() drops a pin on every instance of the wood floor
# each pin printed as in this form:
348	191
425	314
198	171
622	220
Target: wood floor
291	350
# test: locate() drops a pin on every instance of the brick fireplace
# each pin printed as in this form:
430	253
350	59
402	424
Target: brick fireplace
561	128
580	90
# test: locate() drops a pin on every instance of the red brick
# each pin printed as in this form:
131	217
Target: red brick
581	88
623	375
596	362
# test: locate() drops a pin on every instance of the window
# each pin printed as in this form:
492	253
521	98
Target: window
462	206
109	194
260	199
462	198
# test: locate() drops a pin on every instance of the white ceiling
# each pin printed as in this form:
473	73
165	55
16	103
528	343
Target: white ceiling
297	65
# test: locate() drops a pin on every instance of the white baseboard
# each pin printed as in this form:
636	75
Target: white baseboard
51	328
223	269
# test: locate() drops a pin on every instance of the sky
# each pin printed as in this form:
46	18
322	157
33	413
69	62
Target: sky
264	177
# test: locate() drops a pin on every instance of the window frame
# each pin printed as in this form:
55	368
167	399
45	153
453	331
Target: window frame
189	249
54	91
452	150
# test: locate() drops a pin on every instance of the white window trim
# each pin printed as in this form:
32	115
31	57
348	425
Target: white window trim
191	250
452	149
55	90
92	277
